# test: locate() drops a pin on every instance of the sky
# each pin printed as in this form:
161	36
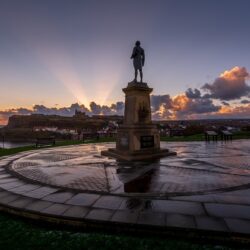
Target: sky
60	55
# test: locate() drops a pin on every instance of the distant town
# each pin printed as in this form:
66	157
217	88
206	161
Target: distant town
82	126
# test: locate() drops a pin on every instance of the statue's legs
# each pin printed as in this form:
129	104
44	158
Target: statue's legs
136	75
141	74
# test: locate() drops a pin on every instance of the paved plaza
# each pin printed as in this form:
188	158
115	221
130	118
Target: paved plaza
206	187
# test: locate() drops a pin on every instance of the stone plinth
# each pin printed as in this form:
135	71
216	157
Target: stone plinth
138	138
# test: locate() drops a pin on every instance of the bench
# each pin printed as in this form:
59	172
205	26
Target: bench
90	136
226	135
45	141
212	134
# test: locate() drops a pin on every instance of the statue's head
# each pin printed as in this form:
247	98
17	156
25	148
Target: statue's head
137	43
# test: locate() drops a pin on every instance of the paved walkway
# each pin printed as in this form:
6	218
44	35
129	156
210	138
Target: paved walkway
206	187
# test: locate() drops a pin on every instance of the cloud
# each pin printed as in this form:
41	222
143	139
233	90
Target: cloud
189	108
192	104
234	112
190	93
229	85
95	109
158	100
245	101
225	103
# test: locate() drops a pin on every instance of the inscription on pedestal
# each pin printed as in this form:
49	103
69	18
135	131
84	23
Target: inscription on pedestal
124	141
147	141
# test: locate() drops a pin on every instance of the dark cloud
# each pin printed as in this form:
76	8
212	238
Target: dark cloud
245	101
184	107
190	93
158	100
225	103
230	85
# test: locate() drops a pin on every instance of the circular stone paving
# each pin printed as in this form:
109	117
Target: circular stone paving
198	168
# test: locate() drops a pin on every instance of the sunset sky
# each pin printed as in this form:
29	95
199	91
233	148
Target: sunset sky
55	53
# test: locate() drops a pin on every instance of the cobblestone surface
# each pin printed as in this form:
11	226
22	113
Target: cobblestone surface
204	187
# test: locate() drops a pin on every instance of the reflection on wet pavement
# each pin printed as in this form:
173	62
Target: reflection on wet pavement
199	167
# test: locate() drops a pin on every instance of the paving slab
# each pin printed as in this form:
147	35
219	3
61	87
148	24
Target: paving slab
9	198
24	188
180	220
83	199
238	225
130	217
21	202
11	185
56	209
59	197
41	192
76	212
109	202
39	205
180	207
210	223
152	218
99	214
228	210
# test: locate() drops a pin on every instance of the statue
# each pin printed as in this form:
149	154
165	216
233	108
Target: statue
138	57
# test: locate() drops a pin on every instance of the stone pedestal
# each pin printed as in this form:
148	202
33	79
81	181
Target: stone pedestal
137	138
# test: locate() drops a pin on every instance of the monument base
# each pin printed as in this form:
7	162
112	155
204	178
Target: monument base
139	155
138	139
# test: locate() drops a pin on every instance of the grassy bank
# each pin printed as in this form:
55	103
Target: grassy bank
200	137
197	137
19	234
10	151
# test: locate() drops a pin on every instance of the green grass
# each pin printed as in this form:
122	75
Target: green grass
200	137
19	234
197	137
10	151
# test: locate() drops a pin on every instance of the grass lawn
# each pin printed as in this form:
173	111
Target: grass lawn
16	233
19	234
200	137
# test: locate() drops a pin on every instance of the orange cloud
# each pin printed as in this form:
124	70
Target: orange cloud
230	85
236	73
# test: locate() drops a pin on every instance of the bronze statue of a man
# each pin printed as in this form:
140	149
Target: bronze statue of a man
138	57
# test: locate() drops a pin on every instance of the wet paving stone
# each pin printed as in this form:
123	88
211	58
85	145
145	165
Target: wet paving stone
210	223
192	170
125	216
59	197
76	212
100	214
238	225
11	185
7	180
39	205
181	207
83	199
41	192
151	218
180	220
109	202
133	204
56	209
228	210
9	198
21	202
24	188
3	194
